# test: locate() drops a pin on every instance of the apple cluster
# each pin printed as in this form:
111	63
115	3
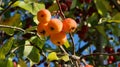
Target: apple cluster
54	27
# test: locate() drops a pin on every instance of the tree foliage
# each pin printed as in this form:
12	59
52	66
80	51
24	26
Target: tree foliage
96	40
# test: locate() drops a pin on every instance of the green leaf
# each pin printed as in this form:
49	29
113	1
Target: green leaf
37	41
65	58
116	29
93	19
5	49
1	8
11	22
29	1
31	28
53	7
21	63
32	8
9	62
6	63
52	56
35	20
101	7
107	5
27	48
34	55
101	29
73	4
37	7
67	45
115	18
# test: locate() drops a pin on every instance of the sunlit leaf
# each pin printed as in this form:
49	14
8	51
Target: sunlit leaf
35	20
31	28
100	7
21	63
37	41
1	8
52	56
11	22
32	8
115	18
27	48
9	63
34	55
65	58
54	7
30	1
23	5
6	48
6	63
37	7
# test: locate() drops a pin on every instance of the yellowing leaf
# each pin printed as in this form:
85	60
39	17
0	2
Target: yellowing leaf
67	45
21	63
115	18
52	56
65	58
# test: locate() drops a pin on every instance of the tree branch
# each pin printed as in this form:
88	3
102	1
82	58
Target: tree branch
5	10
13	27
73	44
61	12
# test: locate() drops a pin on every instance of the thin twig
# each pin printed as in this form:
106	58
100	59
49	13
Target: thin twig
97	54
61	47
12	27
61	12
63	17
5	10
20	29
73	45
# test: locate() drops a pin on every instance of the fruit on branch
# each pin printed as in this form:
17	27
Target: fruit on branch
69	25
89	65
54	26
41	29
111	59
64	7
44	16
58	38
109	49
